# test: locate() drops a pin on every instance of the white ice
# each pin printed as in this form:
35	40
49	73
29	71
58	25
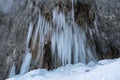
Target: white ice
26	63
12	71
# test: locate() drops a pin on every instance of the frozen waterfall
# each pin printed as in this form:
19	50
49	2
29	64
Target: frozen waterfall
68	41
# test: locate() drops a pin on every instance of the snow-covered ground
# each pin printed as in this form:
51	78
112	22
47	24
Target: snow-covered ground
103	70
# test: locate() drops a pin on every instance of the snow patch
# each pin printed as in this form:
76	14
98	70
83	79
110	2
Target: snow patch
108	70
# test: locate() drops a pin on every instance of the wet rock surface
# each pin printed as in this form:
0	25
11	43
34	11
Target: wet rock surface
14	28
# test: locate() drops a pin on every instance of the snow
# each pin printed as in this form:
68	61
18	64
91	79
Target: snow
103	70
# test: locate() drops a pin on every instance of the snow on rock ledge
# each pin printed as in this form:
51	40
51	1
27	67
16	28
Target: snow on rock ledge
104	70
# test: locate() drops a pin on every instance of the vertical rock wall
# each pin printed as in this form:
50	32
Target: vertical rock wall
14	27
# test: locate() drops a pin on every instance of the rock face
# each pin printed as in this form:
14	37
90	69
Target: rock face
15	16
108	40
13	30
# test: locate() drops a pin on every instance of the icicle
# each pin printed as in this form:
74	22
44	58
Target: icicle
12	71
36	31
68	42
27	59
64	39
73	11
29	35
42	32
96	27
26	62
